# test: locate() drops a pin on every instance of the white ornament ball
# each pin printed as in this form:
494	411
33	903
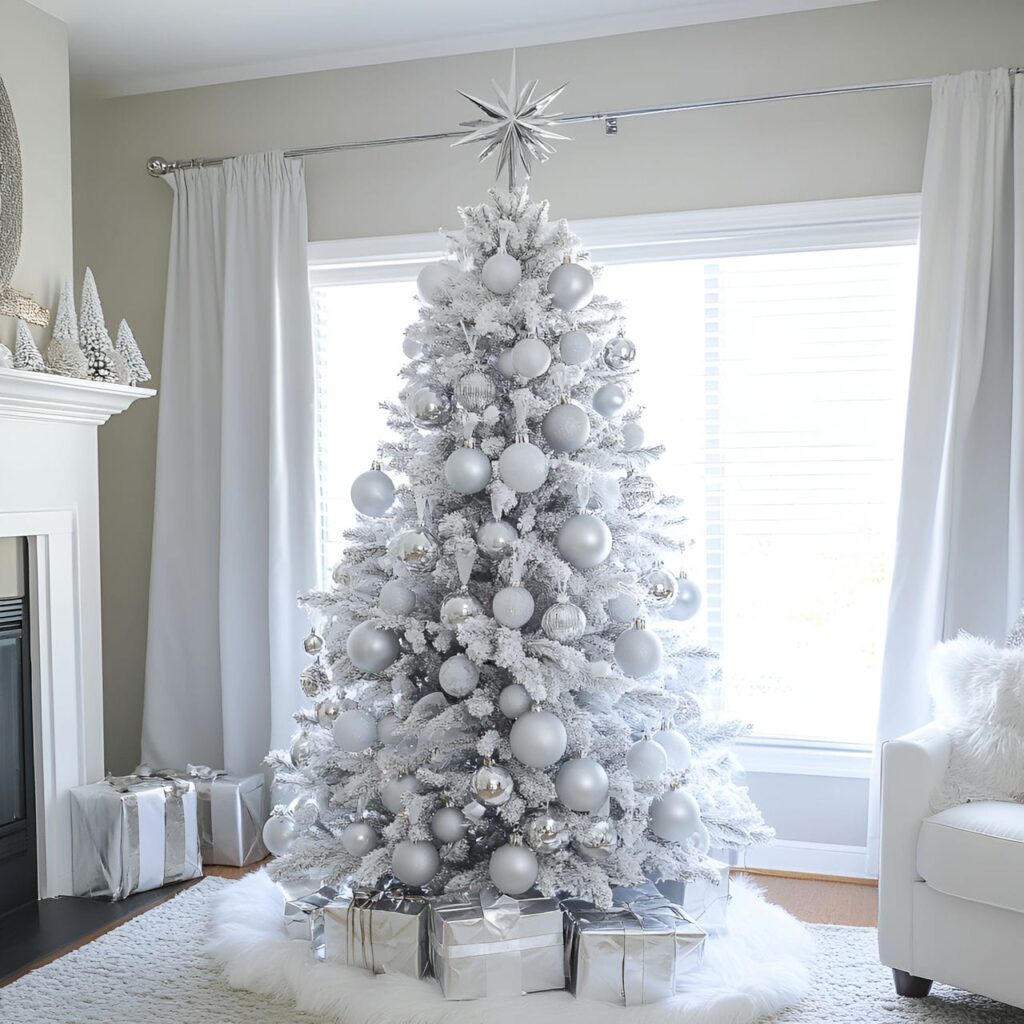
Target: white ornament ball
575	348
359	839
571	286
467	470
687	602
429	409
279	835
661	588
632	436
416	549
638	652
411	347
513	869
647	760
677	748
513	607
584	541
495	538
566	427
523	466
371	648
449	825
396	598
355	730
393	792
458	676
457	608
675	816
530	357
608	400
619	353
504	365
501	273
415	863
582	784
514	700
373	492
433	280
624	607
538	739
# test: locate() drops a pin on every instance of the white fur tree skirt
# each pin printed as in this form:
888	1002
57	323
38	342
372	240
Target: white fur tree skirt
759	968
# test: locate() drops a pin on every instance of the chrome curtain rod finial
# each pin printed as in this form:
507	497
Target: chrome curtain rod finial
157	166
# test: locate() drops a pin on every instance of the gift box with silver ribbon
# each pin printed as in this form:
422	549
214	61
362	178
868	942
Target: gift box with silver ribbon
383	932
631	954
705	901
131	833
489	945
304	912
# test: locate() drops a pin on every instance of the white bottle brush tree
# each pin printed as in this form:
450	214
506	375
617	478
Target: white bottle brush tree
497	699
104	362
128	349
64	356
26	355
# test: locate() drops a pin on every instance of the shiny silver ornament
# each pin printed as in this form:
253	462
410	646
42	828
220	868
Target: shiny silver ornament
584	541
637	492
396	598
495	538
501	273
355	730
467	470
372	648
513	867
582	784
514	700
373	492
598	840
571	286
475	391
327	712
313	679
531	358
359	839
314	643
416	549
415	863
608	400
434	280
458	676
575	348
661	588
564	621
538	739
687	602
675	816
300	750
449	825
619	353
638	651
566	427
304	810
394	791
429	409
547	832
513	607
647	760
492	784
279	835
458	607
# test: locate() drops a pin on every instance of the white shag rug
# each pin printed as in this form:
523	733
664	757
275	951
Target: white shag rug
155	970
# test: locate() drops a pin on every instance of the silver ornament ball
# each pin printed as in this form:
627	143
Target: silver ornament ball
608	400
279	835
637	492
677	748
687	602
530	358
373	492
647	760
547	832
598	840
584	541
575	348
457	608
313	679
299	750
538	739
675	816
327	712
394	791
624	607
661	588
514	700
513	607
523	466
467	470
411	347
513	868
458	676
582	784
371	648
416	549
415	863
501	273
566	427
503	364
396	598
638	652
389	730
359	839
314	643
449	825
495	538
564	622
619	353
355	730
571	286
433	280
429	409
492	784
475	391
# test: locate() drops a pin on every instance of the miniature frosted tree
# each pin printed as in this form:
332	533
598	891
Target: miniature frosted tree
64	356
128	349
104	362
500	695
26	355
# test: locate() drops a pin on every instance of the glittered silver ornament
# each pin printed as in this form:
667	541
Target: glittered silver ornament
355	730
608	400
313	679
660	588
513	607
394	791
304	810
566	427
458	607
513	867
632	436
571	286
619	353
359	839
449	825
598	840
495	538
647	760
582	784
530	357
501	273
475	391
327	712
575	348
429	409
467	470
492	784
675	816
676	746
638	651
687	602
300	750
547	832
373	492
523	466
433	280
314	643
416	549
624	607
279	835
371	648
396	598
538	739
414	863
637	492
514	700
564	621
458	676
584	541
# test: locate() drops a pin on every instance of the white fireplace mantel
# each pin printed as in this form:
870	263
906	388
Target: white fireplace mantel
49	493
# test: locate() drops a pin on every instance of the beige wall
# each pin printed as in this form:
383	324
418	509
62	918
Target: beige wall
811	149
34	67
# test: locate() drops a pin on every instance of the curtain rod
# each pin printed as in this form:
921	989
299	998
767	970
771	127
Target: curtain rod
158	166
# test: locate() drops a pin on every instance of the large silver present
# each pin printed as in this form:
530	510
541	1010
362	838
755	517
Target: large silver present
383	932
131	833
705	901
489	945
304	912
631	954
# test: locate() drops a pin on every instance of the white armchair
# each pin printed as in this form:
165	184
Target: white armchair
951	885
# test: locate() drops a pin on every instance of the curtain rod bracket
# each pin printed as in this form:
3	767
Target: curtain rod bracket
611	126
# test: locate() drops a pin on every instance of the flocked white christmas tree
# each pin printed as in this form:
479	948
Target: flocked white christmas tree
104	362
26	355
498	696
128	349
64	356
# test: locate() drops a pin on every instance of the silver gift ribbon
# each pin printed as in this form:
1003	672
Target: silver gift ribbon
362	927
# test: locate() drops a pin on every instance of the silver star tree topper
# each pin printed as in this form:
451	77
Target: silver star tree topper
516	126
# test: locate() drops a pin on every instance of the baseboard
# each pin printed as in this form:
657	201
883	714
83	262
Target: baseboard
794	858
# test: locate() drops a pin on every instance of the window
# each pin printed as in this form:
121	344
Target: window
774	347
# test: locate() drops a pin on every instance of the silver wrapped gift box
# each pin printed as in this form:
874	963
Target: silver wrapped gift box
304	912
130	834
633	953
489	945
383	932
705	901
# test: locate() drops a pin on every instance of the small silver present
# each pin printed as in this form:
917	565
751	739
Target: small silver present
382	931
489	945
131	833
705	901
304	913
633	953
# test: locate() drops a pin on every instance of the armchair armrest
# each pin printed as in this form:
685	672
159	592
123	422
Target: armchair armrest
912	766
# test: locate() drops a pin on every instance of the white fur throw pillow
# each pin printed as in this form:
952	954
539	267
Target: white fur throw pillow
978	691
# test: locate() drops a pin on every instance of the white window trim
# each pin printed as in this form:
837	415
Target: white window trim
737	231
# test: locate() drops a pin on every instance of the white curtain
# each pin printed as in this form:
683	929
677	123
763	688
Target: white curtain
960	541
234	532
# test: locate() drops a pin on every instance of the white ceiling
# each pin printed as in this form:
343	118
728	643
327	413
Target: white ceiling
121	47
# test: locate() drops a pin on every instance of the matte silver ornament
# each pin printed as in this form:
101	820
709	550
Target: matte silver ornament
571	286
547	832
495	538
433	280
619	353
677	748
501	273
513	868
394	791
514	700
687	602
575	348
637	492
564	621
415	863
416	549
279	835
566	427
314	643
371	648
647	760
492	784
475	391
300	750
675	816
513	607
411	348
608	400
389	730
638	651
373	492
598	840
467	470
624	607
523	466
457	608
359	839
503	364
661	588
396	598
530	357
449	825
355	730
429	409
538	739
582	784
584	541
632	436
458	676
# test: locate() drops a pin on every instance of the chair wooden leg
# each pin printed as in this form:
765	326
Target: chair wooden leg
907	985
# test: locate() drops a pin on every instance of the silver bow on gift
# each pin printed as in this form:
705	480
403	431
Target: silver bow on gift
126	783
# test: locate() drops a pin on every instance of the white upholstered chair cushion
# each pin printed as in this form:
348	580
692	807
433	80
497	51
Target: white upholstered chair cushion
975	851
